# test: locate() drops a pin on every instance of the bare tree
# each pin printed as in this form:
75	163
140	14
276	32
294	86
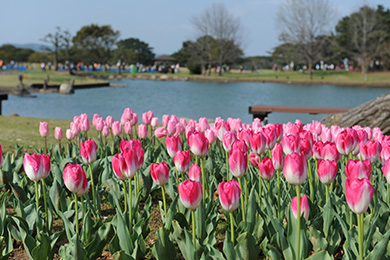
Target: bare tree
366	39
55	39
219	24
301	22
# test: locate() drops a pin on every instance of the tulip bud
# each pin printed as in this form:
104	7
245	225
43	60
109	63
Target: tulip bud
159	132
210	136
266	169
358	193
116	128
44	129
36	166
182	160
119	166
88	151
277	157
69	134
290	144
385	170
198	144
147	117
99	124
304	207
105	131
327	171
358	169
165	120
370	150
195	173
75	179
258	143
109	121
190	193
253	159
229	195
160	173
295	168
344	143
238	162
58	133
134	121
142	131
173	144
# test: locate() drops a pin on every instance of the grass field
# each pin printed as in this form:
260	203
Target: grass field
9	80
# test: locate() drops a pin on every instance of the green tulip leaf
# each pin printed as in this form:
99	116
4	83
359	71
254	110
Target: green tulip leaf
321	255
163	248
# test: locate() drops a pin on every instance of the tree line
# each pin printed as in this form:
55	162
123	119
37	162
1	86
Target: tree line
307	30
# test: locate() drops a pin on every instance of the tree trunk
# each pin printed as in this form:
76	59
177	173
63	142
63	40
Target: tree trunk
374	113
310	68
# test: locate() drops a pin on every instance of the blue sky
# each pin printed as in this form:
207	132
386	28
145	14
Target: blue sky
164	25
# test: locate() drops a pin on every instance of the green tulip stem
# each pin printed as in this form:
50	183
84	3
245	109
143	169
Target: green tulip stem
165	203
196	160
130	208
45	145
227	166
136	183
260	184
76	208
125	195
93	186
59	147
310	181
246	190
83	209
360	231
278	175
327	192
298	191
193	228
388	194
203	178
36	195
242	202
44	200
232	227
177	179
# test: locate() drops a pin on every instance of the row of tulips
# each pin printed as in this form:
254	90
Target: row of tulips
194	163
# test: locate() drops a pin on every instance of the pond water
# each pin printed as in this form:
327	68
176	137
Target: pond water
191	100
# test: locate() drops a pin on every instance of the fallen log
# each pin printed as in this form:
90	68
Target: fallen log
373	113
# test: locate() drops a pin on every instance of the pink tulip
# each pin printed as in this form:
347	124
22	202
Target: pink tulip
126	116
198	144
126	145
160	173
358	193
182	160
290	144
305	148
147	117
105	131
75	128
304	207
245	135
362	135
58	133
84	124
385	153
180	129
258	143
370	150
238	162
307	135
228	139
165	120
316	150
235	125
385	170
256	124
183	121
221	127
36	166
344	143
266	169
210	136
116	128
94	119
190	193
377	134
88	151
239	144
69	134
154	122
327	171
109	121
134	121
369	132
270	137
330	152
75	179
132	163
142	131
160	132
326	135
128	128
204	124
189	129
358	169
295	168
195	173
229	195
44	129
99	124
253	159
173	144
171	127
119	166
277	157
